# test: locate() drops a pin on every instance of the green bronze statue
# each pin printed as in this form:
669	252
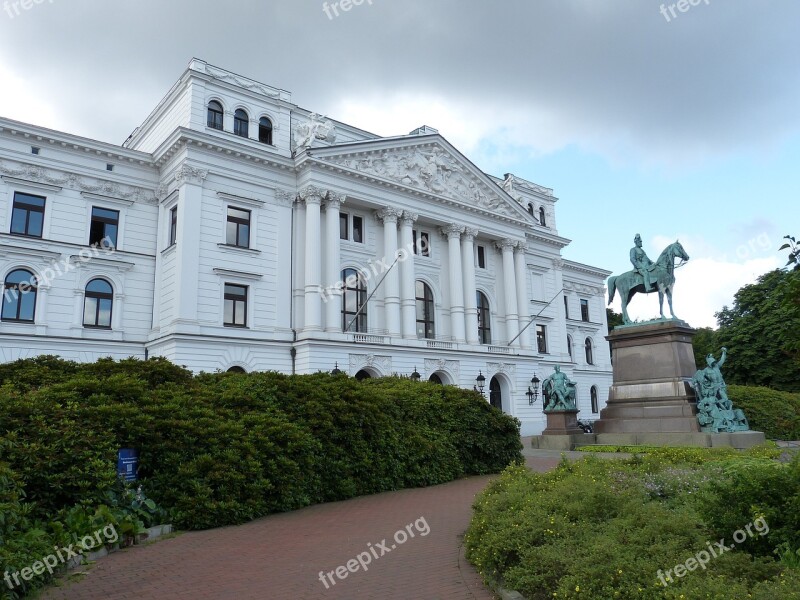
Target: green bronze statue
559	392
715	412
641	262
645	273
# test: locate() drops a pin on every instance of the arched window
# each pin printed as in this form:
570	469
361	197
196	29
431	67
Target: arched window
19	296
434	378
589	355
484	319
530	208
97	304
425	311
569	348
241	123
542	219
265	130
362	375
595	404
236	369
354	299
215	115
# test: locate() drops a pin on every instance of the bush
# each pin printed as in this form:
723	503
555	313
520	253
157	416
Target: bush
220	449
610	528
775	413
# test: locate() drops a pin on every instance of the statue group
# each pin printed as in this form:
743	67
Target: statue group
559	392
715	412
647	276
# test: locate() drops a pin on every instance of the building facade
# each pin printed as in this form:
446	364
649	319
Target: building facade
236	230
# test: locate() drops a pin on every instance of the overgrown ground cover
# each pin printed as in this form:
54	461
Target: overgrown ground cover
605	529
218	449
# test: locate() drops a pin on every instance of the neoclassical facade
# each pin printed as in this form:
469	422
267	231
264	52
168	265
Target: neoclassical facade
236	230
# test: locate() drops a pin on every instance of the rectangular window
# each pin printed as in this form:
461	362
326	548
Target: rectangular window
235	305
358	230
481	257
541	338
27	217
173	225
237	232
566	307
344	226
584	310
422	243
104	228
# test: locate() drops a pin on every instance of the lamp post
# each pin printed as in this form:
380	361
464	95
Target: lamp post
533	394
415	376
480	383
336	370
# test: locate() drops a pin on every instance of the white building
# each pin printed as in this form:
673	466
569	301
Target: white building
236	218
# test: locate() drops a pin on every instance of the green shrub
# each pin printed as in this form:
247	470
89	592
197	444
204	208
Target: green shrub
605	529
220	449
775	413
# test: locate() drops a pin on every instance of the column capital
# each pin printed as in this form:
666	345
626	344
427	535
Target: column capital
506	244
408	218
311	194
470	233
388	214
334	200
521	248
453	230
190	174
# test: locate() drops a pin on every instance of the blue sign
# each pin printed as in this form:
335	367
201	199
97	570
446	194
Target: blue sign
128	463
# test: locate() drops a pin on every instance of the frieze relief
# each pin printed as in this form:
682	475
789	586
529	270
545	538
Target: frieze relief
382	364
73	181
431	170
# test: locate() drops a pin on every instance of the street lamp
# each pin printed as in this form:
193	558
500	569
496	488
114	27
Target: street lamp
336	370
415	376
480	381
533	394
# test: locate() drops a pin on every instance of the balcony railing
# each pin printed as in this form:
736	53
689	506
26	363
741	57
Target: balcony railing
499	349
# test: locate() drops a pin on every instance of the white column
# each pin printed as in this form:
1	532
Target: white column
299	291
312	196
408	296
470	300
453	233
510	289
391	297
190	200
333	272
523	302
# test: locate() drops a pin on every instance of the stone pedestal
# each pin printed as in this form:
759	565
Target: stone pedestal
651	391
562	423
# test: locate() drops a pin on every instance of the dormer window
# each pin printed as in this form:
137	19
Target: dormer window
265	131
241	123
215	115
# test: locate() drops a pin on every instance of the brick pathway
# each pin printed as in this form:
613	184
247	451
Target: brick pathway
280	557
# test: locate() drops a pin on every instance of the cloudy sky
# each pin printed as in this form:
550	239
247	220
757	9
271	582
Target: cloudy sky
672	124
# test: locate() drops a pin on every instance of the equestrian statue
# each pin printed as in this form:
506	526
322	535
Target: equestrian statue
647	276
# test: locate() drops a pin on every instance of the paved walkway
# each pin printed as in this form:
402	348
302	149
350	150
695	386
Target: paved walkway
280	557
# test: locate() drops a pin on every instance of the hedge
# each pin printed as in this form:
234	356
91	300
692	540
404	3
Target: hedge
775	413
221	449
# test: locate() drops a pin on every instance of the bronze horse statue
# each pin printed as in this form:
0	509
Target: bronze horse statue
662	271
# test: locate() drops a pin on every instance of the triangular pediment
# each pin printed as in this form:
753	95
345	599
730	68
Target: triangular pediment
426	163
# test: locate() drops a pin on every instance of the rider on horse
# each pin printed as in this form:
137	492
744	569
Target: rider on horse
641	262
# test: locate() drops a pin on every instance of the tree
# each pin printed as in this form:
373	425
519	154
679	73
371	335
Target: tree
704	343
613	319
761	331
794	251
